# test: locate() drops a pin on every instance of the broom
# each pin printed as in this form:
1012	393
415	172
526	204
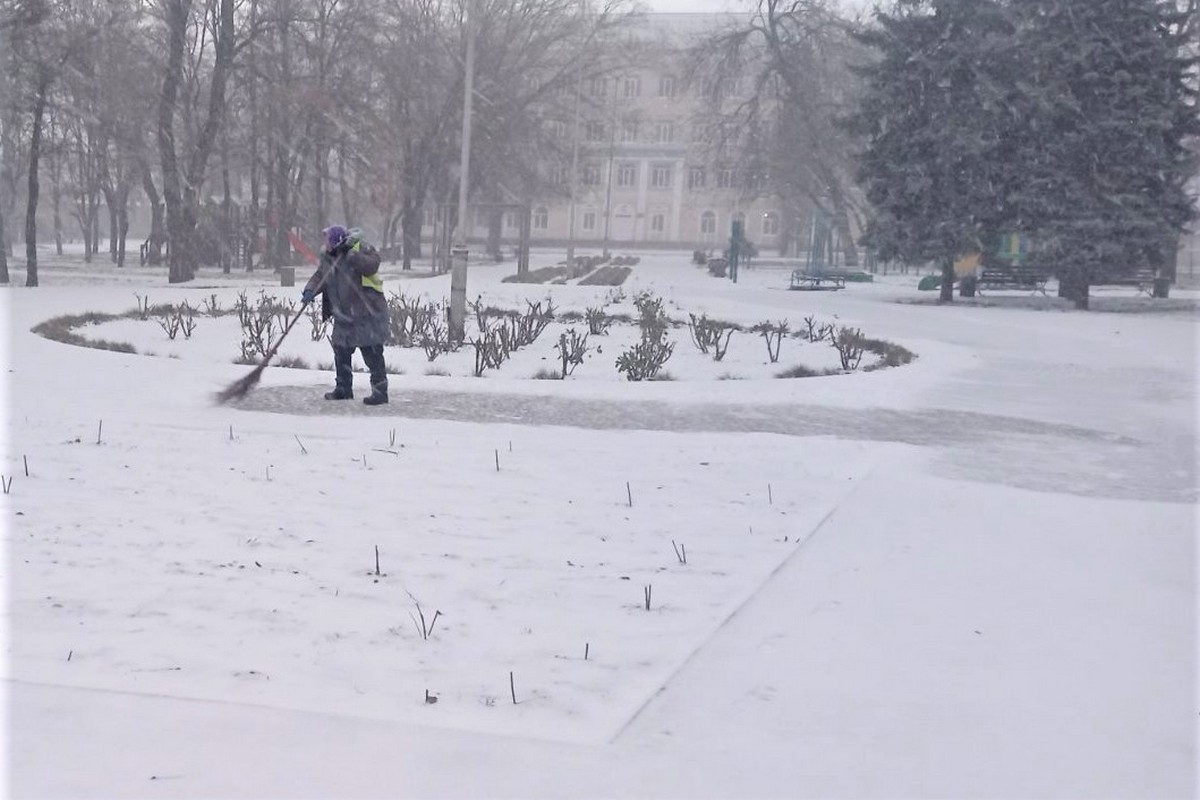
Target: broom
241	387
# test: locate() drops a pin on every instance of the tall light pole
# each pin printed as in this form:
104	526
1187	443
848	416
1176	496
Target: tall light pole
460	254
574	169
612	155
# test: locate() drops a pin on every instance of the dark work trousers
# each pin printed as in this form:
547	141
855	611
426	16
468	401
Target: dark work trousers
372	357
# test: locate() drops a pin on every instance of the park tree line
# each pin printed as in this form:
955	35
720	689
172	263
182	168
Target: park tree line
1073	123
937	127
316	108
934	126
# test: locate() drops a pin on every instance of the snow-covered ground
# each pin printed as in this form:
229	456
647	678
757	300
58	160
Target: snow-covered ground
971	576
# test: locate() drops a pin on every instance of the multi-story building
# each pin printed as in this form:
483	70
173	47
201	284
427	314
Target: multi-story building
648	169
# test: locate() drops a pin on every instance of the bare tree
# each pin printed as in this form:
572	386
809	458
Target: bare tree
185	165
798	58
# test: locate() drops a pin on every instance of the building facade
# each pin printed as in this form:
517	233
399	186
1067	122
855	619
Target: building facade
647	172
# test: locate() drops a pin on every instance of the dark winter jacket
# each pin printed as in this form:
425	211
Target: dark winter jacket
352	294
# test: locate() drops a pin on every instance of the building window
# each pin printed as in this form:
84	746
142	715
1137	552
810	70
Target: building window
699	132
740	218
658	223
633	86
597	87
591	175
589	220
660	176
627	175
541	218
594	132
629	131
696	178
708	223
666	86
757	181
770	224
664	132
557	129
510	221
725	179
428	214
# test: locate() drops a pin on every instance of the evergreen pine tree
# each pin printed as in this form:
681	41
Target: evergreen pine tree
1109	109
937	114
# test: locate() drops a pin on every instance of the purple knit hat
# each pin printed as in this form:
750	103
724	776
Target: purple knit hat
334	236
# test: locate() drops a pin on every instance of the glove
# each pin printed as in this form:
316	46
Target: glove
307	297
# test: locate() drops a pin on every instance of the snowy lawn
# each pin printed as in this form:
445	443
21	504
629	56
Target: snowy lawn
925	599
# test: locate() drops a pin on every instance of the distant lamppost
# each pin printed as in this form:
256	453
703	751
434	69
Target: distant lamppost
574	170
460	252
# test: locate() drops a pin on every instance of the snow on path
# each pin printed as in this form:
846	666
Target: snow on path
892	657
943	633
1056	456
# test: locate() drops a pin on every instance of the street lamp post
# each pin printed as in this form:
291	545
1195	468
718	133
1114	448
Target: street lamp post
460	253
574	170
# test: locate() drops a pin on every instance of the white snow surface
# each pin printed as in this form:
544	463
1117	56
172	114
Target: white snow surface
971	576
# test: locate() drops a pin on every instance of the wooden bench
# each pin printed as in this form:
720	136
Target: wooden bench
815	282
1142	279
1033	280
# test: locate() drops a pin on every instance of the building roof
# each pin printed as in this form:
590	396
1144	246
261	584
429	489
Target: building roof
684	29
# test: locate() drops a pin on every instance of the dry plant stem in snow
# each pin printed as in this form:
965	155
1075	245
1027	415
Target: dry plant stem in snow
426	630
571	350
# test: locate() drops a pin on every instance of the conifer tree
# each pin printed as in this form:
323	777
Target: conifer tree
936	116
1111	102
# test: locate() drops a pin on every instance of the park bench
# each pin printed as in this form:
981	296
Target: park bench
1028	278
815	282
1142	279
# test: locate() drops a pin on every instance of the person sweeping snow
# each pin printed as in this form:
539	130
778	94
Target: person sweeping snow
347	278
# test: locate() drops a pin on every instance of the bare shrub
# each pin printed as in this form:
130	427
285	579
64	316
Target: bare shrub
597	321
773	335
848	342
711	333
571	350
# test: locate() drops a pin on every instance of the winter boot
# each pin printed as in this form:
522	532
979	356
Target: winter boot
339	394
378	394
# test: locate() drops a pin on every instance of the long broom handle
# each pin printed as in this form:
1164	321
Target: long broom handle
275	347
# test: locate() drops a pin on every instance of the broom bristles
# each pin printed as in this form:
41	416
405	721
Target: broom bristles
239	388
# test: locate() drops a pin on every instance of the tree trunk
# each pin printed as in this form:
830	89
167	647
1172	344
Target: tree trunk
495	228
110	203
122	227
178	267
947	287
410	224
4	279
154	244
35	153
228	229
56	204
1073	285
